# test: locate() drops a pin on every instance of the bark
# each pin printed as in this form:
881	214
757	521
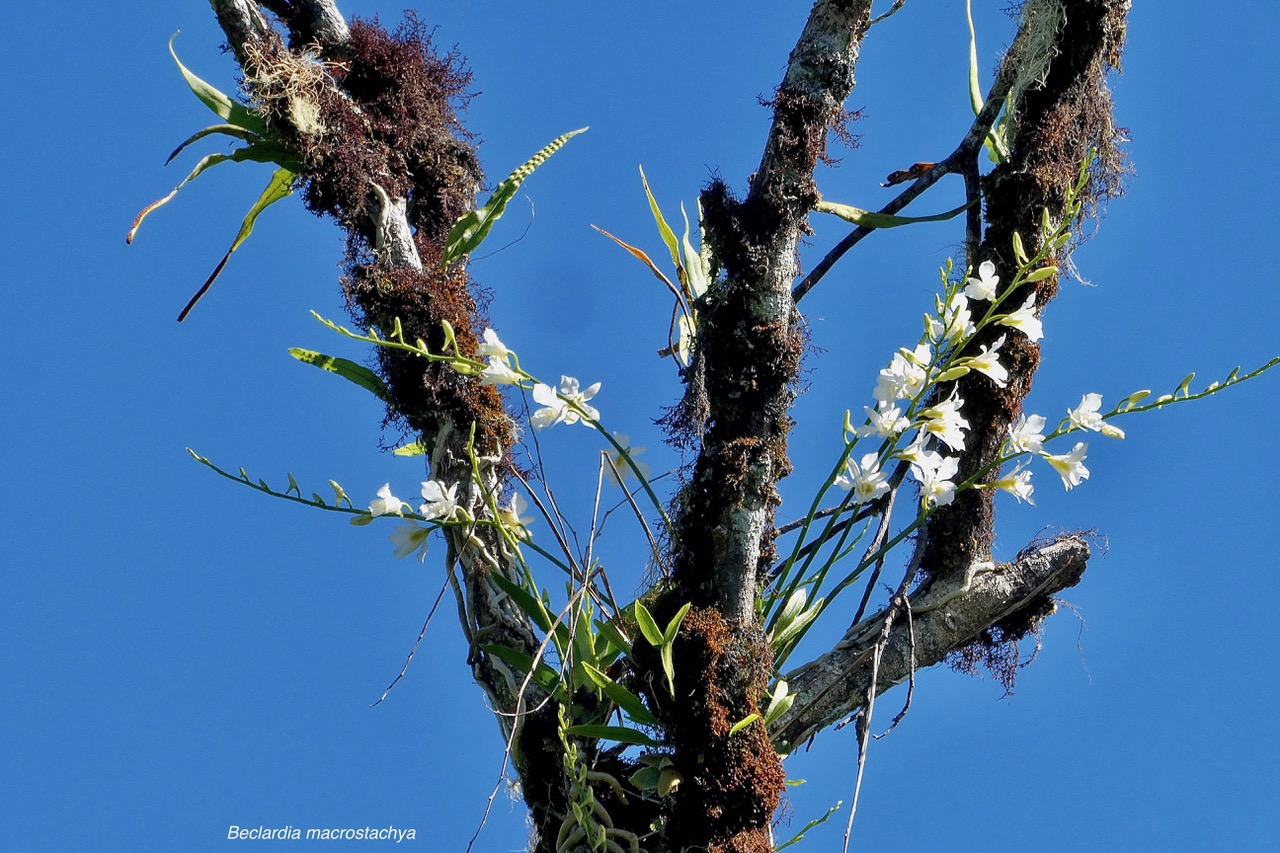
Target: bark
748	358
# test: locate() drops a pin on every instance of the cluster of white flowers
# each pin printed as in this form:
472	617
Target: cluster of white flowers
902	387
440	504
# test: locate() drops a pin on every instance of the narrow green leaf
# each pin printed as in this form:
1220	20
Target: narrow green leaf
293	486
1184	385
669	635
621	734
622	697
870	219
695	274
280	186
223	106
648	626
584	644
206	162
669	668
668	236
258	152
348	370
227	129
798	625
416	448
544	676
779	703
361	520
742	724
525	600
471	228
641	256
794	606
975	89
613	635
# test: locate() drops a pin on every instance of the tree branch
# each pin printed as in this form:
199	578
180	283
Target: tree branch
1061	114
962	160
945	617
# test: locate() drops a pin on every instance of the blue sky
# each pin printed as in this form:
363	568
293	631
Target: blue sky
183	655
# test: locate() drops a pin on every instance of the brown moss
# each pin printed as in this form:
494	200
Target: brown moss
426	394
384	112
733	783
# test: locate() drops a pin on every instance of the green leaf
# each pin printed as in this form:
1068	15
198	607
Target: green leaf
584	643
347	369
224	107
669	636
471	228
779	703
416	448
794	606
361	520
206	162
227	129
621	734
1184	385
743	723
669	668
695	272
870	219
280	186
525	600
647	625
646	778
258	152
544	676
616	639
975	89
622	697
785	634
668	236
